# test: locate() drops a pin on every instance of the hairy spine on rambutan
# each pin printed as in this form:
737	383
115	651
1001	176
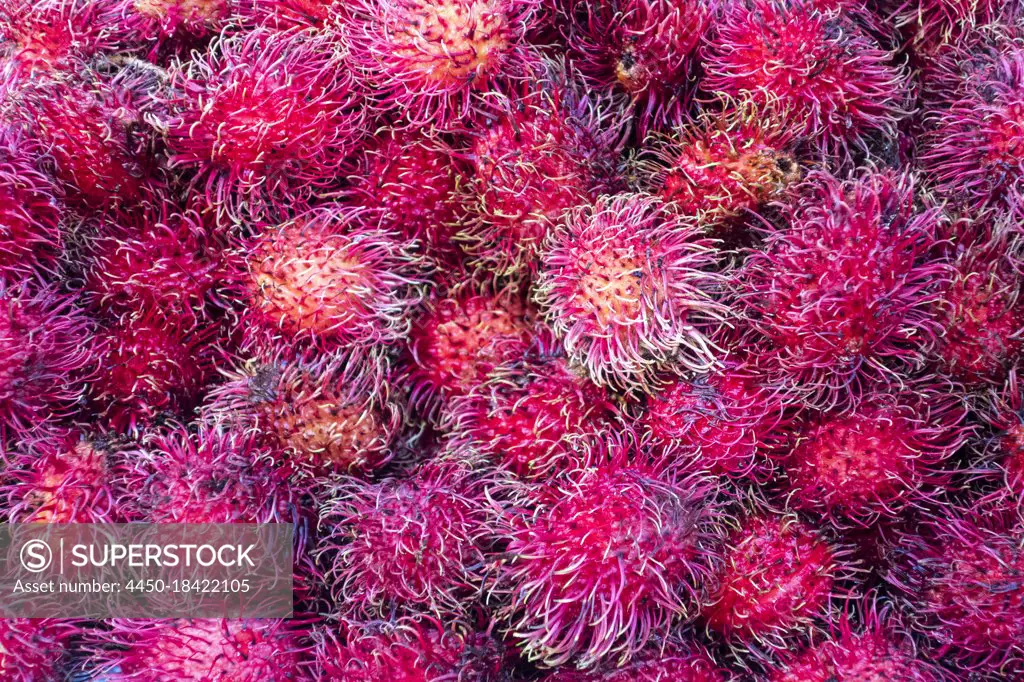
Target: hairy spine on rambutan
62	477
35	649
319	413
283	15
39	38
837	86
174	650
30	212
265	120
180	23
866	643
44	349
678	663
931	25
779	574
432	60
725	164
533	417
845	293
412	544
999	469
331	279
630	288
728	421
646	48
540	151
957	576
601	562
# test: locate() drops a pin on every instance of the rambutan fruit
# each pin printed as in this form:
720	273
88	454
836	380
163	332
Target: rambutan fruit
413	543
319	414
545	149
413	179
957	575
779	574
1003	452
44	348
643	47
283	15
34	649
601	562
38	38
676	663
460	338
330	279
878	457
61	477
430	60
869	645
726	421
159	22
149	368
408	649
210	475
184	650
532	416
726	164
30	215
264	118
629	288
846	291
931	25
811	60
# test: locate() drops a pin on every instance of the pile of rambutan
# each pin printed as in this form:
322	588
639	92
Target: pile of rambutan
577	340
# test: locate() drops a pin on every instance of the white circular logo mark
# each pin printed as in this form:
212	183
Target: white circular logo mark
36	556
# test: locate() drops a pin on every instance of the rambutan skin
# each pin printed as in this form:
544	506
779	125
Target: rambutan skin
533	417
835	83
628	287
602	561
265	119
159	22
413	543
39	38
431	59
34	649
688	663
844	293
30	211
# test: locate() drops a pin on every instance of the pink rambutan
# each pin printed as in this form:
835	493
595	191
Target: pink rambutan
409	649
874	647
533	416
628	288
61	477
601	562
213	650
415	542
643	47
320	415
1003	454
835	84
34	649
544	150
726	164
845	292
779	574
44	346
211	475
265	119
932	24
726	421
290	14
30	215
331	278
958	578
676	663
149	368
431	59
413	179
161	21
37	38
878	457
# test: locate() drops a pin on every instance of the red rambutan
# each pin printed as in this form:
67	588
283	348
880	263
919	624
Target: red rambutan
283	15
628	288
240	650
30	234
779	574
34	649
160	21
407	543
836	85
533	416
44	346
331	278
545	150
675	663
428	58
600	562
264	118
52	35
844	293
